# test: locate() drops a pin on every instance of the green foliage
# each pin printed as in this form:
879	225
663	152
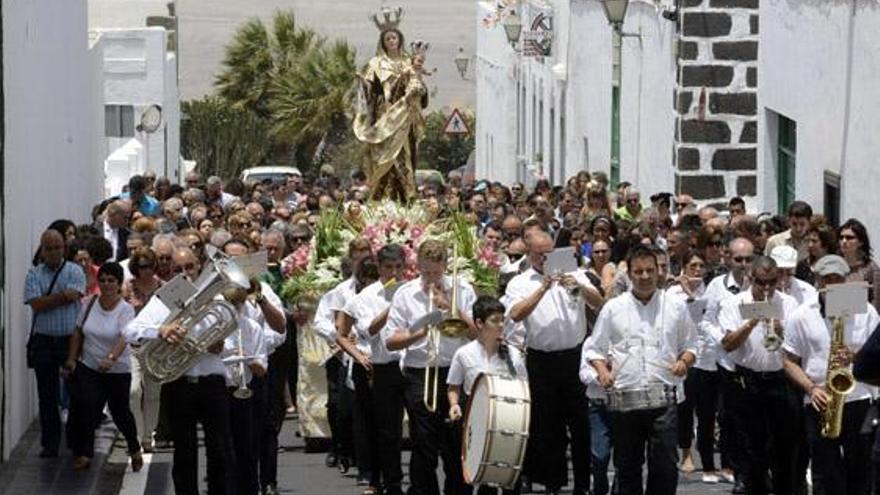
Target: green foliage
223	139
442	152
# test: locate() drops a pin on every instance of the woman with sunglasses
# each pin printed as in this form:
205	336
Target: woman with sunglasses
98	365
144	393
855	247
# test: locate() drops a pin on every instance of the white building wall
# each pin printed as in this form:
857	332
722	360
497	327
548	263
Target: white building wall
580	69
827	83
52	151
138	71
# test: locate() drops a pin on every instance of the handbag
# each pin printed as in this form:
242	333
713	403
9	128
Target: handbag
31	352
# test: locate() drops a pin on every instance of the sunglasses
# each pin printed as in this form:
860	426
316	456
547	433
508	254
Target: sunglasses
715	243
743	259
187	267
848	237
682	205
765	282
600	251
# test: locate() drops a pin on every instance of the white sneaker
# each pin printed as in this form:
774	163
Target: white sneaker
710	478
727	477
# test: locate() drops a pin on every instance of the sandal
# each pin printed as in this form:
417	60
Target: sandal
137	462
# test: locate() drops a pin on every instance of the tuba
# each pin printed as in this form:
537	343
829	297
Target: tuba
207	321
839	382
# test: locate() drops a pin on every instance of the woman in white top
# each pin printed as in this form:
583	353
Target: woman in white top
98	365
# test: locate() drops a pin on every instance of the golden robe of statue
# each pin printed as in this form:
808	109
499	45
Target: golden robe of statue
389	119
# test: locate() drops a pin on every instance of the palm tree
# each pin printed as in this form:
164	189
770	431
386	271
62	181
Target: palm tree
310	106
255	56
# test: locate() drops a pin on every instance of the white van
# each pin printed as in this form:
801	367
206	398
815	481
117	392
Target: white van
274	173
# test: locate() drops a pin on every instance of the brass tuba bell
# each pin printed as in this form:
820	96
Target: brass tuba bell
453	326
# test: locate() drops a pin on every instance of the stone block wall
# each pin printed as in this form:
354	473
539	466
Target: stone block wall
716	99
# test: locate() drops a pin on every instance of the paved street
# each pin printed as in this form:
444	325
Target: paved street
300	473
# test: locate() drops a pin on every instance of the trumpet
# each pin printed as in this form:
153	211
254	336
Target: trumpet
432	367
772	340
238	374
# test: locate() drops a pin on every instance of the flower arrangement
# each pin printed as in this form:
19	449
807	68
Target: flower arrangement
316	268
498	12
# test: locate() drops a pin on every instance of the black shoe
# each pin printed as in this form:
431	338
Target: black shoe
331	460
739	487
344	464
48	453
525	484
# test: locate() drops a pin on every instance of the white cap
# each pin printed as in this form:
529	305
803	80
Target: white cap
831	264
784	256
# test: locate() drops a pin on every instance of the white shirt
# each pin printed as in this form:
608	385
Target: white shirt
707	348
717	291
802	292
409	304
590	377
471	360
145	326
363	309
514	331
642	341
101	331
253	311
324	324
112	236
808	336
559	320
752	354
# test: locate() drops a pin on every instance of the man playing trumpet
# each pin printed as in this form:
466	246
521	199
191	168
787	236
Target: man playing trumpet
767	406
840	452
426	366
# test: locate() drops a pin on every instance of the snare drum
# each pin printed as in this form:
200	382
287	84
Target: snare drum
496	431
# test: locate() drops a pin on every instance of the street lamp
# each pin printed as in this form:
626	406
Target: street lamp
512	28
615	11
462	62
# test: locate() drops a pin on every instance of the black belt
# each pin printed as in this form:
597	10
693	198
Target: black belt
760	375
195	380
564	352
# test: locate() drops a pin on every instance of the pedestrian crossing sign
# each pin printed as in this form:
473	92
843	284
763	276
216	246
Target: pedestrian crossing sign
455	124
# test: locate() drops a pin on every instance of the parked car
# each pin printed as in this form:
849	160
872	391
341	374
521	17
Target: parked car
429	174
274	173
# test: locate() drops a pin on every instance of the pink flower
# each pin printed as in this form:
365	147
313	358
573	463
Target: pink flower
487	257
416	232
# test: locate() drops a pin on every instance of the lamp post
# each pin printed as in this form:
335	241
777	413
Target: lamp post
615	11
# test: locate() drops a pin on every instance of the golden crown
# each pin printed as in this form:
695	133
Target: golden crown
390	18
419	47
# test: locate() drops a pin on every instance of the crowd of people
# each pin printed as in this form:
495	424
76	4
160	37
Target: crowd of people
630	360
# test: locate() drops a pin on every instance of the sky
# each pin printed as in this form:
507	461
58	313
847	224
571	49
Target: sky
207	25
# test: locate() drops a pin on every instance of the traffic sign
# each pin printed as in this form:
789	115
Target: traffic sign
455	124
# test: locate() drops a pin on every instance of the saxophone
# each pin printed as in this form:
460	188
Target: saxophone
839	382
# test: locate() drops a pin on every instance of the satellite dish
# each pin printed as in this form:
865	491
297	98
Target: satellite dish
151	119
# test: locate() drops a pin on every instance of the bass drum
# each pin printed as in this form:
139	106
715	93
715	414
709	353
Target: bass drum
496	431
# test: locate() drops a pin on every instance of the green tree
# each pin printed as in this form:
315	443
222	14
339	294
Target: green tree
257	55
310	106
441	151
223	139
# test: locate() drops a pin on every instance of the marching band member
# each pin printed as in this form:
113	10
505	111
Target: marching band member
430	434
367	313
199	396
553	310
786	258
487	354
358	348
645	337
766	401
841	464
324	325
263	325
734	462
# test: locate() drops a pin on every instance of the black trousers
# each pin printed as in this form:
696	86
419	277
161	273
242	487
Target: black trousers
246	416
840	465
275	411
432	437
701	388
769	412
388	395
89	392
201	400
366	446
732	438
559	412
50	353
654	430
340	403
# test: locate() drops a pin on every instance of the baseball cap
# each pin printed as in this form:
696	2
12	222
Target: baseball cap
784	256
830	264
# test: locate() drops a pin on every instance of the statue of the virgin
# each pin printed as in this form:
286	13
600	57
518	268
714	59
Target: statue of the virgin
391	96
